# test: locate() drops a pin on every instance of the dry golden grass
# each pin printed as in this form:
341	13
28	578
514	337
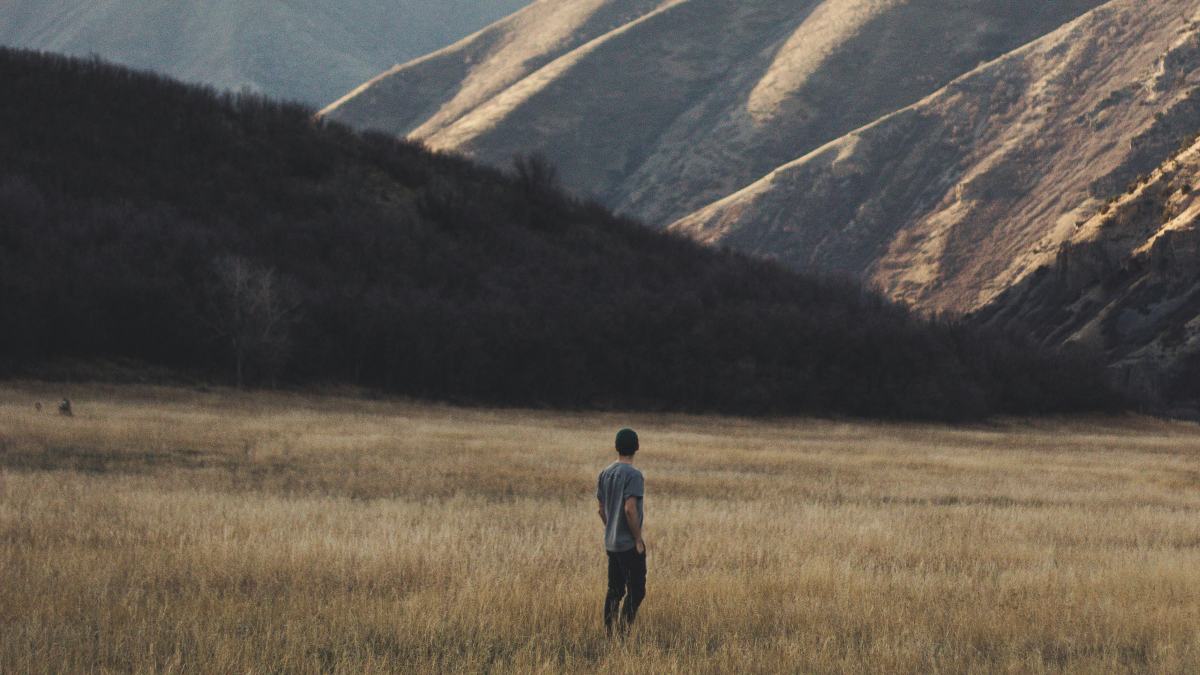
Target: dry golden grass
173	531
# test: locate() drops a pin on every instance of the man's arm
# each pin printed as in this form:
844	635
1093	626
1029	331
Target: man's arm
634	522
603	516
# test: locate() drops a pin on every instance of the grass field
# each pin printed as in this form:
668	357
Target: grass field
167	530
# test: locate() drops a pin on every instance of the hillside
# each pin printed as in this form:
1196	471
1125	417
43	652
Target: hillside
946	203
657	108
940	152
1126	284
150	221
299	49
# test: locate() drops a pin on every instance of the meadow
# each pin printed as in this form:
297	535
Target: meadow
171	530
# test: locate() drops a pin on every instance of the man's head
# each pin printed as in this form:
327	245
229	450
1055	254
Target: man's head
627	442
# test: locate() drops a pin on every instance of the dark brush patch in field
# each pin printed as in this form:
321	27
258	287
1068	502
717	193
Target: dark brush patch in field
958	500
84	460
1003	502
286	476
240	475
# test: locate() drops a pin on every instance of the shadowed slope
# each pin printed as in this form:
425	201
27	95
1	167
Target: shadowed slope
1126	284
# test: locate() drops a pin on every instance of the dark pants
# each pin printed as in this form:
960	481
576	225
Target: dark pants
626	579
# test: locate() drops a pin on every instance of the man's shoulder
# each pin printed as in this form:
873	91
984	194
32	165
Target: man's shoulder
626	469
619	468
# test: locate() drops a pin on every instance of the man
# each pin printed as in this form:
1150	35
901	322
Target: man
620	490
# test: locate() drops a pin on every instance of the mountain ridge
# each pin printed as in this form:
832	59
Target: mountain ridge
301	49
691	100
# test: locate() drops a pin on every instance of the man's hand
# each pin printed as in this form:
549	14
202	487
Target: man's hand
634	521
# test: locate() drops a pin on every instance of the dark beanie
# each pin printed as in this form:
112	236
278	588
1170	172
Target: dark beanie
627	441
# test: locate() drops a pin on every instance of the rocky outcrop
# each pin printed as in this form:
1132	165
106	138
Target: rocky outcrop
1127	284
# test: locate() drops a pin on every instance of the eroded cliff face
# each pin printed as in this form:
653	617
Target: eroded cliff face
659	107
1126	284
949	202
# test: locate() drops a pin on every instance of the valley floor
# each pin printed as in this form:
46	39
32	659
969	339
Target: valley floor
169	530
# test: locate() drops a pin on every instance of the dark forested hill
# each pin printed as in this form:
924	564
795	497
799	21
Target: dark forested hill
148	220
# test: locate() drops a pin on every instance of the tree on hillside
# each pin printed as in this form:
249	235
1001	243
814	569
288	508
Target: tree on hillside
537	179
252	311
535	174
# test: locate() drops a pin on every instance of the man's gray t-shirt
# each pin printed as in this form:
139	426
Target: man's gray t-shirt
616	484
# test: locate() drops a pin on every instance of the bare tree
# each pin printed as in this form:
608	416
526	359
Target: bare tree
535	174
538	181
252	312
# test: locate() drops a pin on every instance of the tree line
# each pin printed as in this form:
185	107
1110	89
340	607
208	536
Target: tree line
239	239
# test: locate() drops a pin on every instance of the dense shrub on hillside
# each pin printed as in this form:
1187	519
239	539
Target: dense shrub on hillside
124	197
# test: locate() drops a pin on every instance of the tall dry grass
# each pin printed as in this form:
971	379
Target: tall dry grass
173	531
